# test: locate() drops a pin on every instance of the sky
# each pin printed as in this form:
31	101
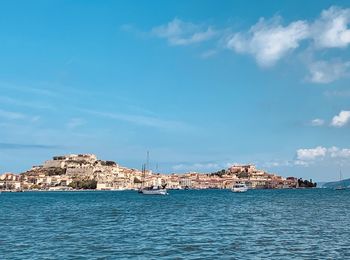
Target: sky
201	85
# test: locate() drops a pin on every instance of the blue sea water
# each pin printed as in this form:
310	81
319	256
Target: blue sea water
203	224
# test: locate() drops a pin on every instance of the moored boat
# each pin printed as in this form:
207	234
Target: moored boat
154	191
239	187
341	186
151	190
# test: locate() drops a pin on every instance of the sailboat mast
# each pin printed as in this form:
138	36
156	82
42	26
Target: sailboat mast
143	175
147	160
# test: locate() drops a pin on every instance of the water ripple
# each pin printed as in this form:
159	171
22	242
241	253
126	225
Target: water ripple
212	224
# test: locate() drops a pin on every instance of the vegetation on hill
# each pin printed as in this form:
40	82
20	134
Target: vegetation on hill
306	184
52	171
218	173
83	184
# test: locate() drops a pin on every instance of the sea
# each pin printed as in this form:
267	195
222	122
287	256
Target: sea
186	224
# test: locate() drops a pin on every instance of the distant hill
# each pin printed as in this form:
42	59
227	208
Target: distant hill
334	184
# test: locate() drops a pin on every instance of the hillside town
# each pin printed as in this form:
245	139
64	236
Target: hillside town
85	171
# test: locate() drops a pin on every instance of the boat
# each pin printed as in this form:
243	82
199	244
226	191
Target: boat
154	190
239	187
340	187
151	190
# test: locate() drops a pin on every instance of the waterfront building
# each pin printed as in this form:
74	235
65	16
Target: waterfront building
62	171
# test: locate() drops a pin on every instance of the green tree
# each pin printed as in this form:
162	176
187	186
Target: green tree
83	184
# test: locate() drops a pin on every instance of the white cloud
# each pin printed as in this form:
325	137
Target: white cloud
331	29
311	154
328	71
336	152
342	119
178	32
305	157
317	122
268	41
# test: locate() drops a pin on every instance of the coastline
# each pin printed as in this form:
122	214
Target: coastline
87	172
125	190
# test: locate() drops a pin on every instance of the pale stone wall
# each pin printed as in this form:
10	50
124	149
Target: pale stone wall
86	171
53	163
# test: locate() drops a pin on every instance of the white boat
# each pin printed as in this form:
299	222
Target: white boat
154	191
239	187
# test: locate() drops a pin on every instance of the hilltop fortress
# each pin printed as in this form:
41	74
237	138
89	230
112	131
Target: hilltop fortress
85	171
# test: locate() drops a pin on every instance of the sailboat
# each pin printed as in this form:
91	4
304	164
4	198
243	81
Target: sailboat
151	190
154	190
340	187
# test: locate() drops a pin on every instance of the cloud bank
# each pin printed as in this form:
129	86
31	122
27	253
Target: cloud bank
178	32
307	156
270	40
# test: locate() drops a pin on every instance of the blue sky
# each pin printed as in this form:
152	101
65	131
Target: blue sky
200	84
